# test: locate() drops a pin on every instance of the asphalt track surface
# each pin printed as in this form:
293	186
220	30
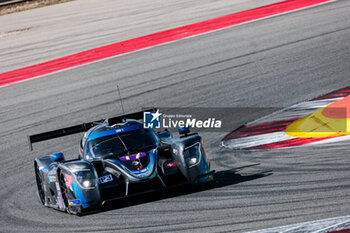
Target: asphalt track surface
275	62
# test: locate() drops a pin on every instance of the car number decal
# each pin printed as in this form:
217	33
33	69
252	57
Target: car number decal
105	179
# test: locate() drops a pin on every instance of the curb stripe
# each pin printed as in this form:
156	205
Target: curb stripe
258	140
335	94
268	127
151	40
271	131
341	231
289	143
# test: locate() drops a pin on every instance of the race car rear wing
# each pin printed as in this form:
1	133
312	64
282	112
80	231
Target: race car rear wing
83	127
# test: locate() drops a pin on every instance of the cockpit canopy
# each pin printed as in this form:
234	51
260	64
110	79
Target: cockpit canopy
119	141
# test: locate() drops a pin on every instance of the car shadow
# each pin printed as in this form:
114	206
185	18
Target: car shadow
222	179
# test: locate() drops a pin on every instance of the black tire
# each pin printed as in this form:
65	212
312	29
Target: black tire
63	188
39	182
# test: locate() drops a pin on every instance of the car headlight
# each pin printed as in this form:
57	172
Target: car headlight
192	155
87	183
192	161
86	179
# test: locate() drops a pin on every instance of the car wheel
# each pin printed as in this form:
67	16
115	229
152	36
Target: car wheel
39	182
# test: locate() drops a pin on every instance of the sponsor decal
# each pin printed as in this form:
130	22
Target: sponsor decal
59	197
169	165
133	157
175	151
78	194
74	202
52	178
67	179
105	179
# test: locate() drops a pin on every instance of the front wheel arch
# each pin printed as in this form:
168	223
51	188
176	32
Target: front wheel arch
75	210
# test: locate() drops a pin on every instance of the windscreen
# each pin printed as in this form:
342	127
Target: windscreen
121	144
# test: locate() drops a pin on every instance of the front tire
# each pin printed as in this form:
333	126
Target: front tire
39	182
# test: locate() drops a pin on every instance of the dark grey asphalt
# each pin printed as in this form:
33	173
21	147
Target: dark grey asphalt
270	63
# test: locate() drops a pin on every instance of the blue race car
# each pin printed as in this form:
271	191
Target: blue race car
118	158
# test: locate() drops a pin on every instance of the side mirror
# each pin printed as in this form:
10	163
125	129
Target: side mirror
183	130
57	157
